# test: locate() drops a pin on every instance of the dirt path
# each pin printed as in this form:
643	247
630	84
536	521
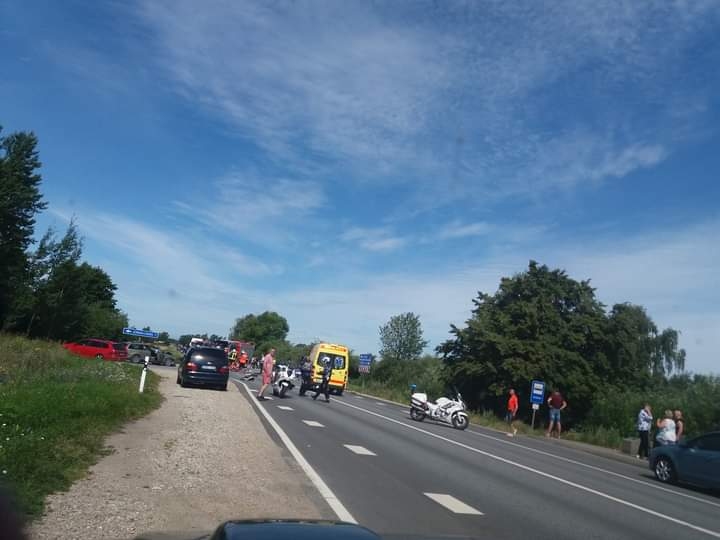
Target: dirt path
202	458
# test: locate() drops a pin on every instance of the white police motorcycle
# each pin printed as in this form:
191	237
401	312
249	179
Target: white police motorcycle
283	380
446	410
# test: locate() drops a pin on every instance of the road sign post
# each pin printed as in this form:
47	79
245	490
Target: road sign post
364	367
365	363
537	396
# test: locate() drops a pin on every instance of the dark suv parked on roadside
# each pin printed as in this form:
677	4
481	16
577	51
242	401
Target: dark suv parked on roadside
206	366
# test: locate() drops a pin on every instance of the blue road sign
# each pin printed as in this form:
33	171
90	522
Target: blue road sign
537	392
140	333
365	362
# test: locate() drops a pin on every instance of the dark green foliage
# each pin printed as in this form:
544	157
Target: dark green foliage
47	292
541	324
266	330
64	299
20	201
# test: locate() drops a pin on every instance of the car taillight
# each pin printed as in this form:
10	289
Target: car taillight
192	366
224	369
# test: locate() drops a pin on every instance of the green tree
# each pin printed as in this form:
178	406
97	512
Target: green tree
269	329
63	299
540	324
20	201
164	336
401	338
637	352
185	339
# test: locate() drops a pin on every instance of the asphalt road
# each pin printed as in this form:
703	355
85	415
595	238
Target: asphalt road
401	477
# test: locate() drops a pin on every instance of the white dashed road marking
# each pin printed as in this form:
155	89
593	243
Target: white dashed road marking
379	403
453	504
285	408
360	450
313	423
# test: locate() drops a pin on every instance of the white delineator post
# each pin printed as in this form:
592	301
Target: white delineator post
144	374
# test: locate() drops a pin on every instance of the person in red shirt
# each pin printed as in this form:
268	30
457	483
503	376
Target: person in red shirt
512	410
556	403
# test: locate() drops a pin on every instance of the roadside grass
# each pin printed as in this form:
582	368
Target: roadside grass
55	412
598	436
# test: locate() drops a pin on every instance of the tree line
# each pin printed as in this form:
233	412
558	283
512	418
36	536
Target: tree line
46	292
542	324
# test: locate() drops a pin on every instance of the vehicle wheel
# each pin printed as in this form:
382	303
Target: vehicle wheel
283	389
168	363
275	392
460	421
135	359
99	356
223	388
178	380
339	392
665	471
183	383
415	414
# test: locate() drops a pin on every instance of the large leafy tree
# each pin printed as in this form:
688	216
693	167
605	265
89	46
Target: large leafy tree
637	351
269	329
20	201
540	324
65	299
401	338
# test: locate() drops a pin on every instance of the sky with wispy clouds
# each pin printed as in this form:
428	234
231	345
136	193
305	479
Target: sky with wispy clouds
342	162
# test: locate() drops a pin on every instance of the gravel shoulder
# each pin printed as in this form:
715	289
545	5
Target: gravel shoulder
203	457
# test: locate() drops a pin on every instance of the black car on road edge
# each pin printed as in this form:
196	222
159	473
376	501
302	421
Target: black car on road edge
204	366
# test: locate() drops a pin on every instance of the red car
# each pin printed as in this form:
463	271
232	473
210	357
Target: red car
98	348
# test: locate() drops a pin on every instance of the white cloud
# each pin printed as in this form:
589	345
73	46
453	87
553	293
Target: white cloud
260	209
457	229
374	239
381	97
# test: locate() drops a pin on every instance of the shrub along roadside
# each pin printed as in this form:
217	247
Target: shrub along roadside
56	411
611	418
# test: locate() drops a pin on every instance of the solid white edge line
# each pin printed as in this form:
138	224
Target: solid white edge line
544	474
453	504
594	468
325	492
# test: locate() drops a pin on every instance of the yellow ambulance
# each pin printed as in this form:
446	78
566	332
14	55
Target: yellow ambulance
339	358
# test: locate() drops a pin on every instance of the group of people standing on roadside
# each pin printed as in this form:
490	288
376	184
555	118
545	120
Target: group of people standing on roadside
556	404
670	428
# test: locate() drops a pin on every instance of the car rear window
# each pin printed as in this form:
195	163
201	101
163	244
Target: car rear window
119	346
210	354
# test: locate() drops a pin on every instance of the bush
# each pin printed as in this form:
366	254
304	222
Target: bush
55	412
696	396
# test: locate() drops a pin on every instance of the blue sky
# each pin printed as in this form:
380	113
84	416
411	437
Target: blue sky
342	162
